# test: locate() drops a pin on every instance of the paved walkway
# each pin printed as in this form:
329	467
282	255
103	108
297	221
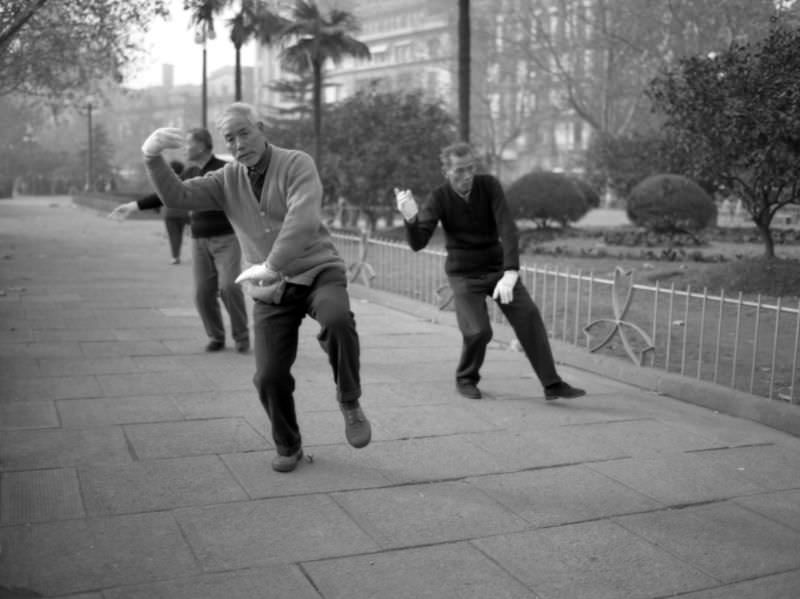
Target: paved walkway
133	465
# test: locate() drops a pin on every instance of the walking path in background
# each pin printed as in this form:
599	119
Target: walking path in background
134	465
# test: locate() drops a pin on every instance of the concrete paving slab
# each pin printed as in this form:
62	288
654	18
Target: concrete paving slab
156	333
152	383
728	541
779	586
40	496
98	349
83	413
23	366
193	437
450	571
526	413
78	334
769	466
332	469
554	496
781	506
274	582
60	448
593	560
430	459
18	415
216	404
430	420
537	448
271	531
80	365
42	388
83	555
155	485
679	479
414	515
645	437
39	350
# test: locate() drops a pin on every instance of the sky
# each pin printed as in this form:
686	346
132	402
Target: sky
172	41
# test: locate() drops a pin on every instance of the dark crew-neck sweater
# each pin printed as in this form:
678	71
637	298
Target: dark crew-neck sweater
204	223
480	234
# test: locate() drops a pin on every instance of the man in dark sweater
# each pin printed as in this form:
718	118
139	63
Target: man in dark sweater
216	255
482	260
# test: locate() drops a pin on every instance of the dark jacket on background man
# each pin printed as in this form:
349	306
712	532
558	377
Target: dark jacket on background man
205	223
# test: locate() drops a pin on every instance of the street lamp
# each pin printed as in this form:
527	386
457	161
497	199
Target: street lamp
90	153
203	33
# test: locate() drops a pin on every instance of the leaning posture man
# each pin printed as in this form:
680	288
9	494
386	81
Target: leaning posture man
482	260
273	198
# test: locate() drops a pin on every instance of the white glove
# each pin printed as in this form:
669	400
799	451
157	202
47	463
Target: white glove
162	139
258	272
406	203
123	211
504	290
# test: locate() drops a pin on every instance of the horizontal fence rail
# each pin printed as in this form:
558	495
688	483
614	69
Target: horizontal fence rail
752	346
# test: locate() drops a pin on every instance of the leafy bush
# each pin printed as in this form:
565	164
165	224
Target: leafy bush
671	204
589	192
546	196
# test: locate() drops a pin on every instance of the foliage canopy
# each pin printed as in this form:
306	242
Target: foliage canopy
737	114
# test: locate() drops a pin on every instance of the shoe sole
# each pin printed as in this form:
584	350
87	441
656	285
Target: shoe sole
571	396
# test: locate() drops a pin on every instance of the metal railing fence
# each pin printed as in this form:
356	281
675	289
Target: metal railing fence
752	346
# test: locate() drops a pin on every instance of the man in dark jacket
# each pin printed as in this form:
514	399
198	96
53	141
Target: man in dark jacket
216	256
482	260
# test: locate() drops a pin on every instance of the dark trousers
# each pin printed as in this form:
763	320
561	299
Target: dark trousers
275	333
216	261
469	295
175	227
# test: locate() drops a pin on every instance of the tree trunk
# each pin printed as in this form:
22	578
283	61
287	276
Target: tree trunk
238	75
766	235
464	67
317	109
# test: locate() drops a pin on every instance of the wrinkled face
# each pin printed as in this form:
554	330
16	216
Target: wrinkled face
246	141
194	149
460	173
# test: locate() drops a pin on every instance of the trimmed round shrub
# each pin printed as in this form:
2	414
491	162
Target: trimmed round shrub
544	196
671	204
589	193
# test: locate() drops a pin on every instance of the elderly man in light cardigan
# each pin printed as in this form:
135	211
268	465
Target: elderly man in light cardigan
273	198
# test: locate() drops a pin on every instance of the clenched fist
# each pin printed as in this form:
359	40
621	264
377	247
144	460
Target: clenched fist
406	203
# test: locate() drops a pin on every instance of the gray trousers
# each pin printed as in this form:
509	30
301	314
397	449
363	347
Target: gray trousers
216	262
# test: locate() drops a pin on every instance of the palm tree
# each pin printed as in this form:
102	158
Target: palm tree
316	38
202	17
464	67
254	20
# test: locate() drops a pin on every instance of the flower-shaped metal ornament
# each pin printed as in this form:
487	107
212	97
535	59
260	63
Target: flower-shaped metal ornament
622	288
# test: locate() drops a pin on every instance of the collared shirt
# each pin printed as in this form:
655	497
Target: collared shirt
258	172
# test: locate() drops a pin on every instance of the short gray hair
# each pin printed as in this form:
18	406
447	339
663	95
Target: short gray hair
242	109
459	149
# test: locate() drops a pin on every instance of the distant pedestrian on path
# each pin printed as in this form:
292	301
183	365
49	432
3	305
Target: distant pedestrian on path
175	220
273	198
216	256
482	260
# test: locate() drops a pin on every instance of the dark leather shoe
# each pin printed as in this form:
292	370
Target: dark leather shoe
243	346
215	345
286	463
356	426
563	390
468	390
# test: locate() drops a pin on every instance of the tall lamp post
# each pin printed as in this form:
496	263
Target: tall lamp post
90	152
203	33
